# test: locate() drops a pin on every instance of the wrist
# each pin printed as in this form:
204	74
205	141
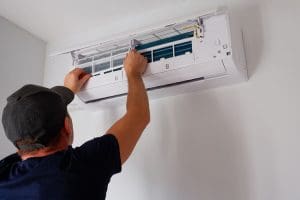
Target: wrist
73	89
134	75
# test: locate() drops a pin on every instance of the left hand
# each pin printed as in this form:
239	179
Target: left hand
75	79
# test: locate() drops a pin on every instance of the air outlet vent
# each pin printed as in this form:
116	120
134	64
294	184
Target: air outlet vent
166	52
118	62
88	69
148	55
183	48
102	66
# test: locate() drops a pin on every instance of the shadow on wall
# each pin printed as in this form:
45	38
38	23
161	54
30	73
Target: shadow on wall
249	18
195	150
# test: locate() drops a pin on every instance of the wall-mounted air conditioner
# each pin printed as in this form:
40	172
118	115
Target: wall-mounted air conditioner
198	52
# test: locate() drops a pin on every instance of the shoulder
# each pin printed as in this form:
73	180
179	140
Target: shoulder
107	141
7	163
101	152
11	158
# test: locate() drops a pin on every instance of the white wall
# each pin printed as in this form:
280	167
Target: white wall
230	143
21	62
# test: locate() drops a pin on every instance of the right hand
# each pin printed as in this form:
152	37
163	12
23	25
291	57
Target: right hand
75	79
135	64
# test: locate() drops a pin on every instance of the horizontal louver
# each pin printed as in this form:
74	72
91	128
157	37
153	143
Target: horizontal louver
117	69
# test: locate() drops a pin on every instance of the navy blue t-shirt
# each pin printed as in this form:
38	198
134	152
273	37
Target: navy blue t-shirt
76	173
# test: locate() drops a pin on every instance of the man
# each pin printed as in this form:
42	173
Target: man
36	120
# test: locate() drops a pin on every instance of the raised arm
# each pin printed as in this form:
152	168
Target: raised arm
129	128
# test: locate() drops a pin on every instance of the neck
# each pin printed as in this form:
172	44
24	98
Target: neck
42	152
58	144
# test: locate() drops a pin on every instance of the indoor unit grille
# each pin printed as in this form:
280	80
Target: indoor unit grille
107	62
168	52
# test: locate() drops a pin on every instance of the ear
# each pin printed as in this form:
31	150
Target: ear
68	126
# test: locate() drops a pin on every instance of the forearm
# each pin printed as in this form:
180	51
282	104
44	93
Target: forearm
137	100
129	128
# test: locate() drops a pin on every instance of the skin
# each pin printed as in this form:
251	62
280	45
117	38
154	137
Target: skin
127	129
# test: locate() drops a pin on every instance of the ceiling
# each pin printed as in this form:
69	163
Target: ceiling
55	21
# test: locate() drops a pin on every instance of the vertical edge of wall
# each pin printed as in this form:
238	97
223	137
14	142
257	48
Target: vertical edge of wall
22	58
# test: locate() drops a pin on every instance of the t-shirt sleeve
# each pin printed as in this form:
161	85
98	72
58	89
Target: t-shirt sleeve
101	152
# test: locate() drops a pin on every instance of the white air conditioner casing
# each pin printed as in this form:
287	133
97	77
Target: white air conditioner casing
196	53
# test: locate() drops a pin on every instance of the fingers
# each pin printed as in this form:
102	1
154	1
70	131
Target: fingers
84	79
133	52
78	72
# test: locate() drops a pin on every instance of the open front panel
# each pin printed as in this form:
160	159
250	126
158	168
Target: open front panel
105	57
177	54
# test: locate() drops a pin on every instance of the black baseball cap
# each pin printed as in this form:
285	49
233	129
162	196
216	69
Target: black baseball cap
35	113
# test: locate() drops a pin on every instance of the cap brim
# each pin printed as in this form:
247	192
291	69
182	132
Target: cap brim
66	94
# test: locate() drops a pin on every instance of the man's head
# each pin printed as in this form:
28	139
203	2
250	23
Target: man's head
35	117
